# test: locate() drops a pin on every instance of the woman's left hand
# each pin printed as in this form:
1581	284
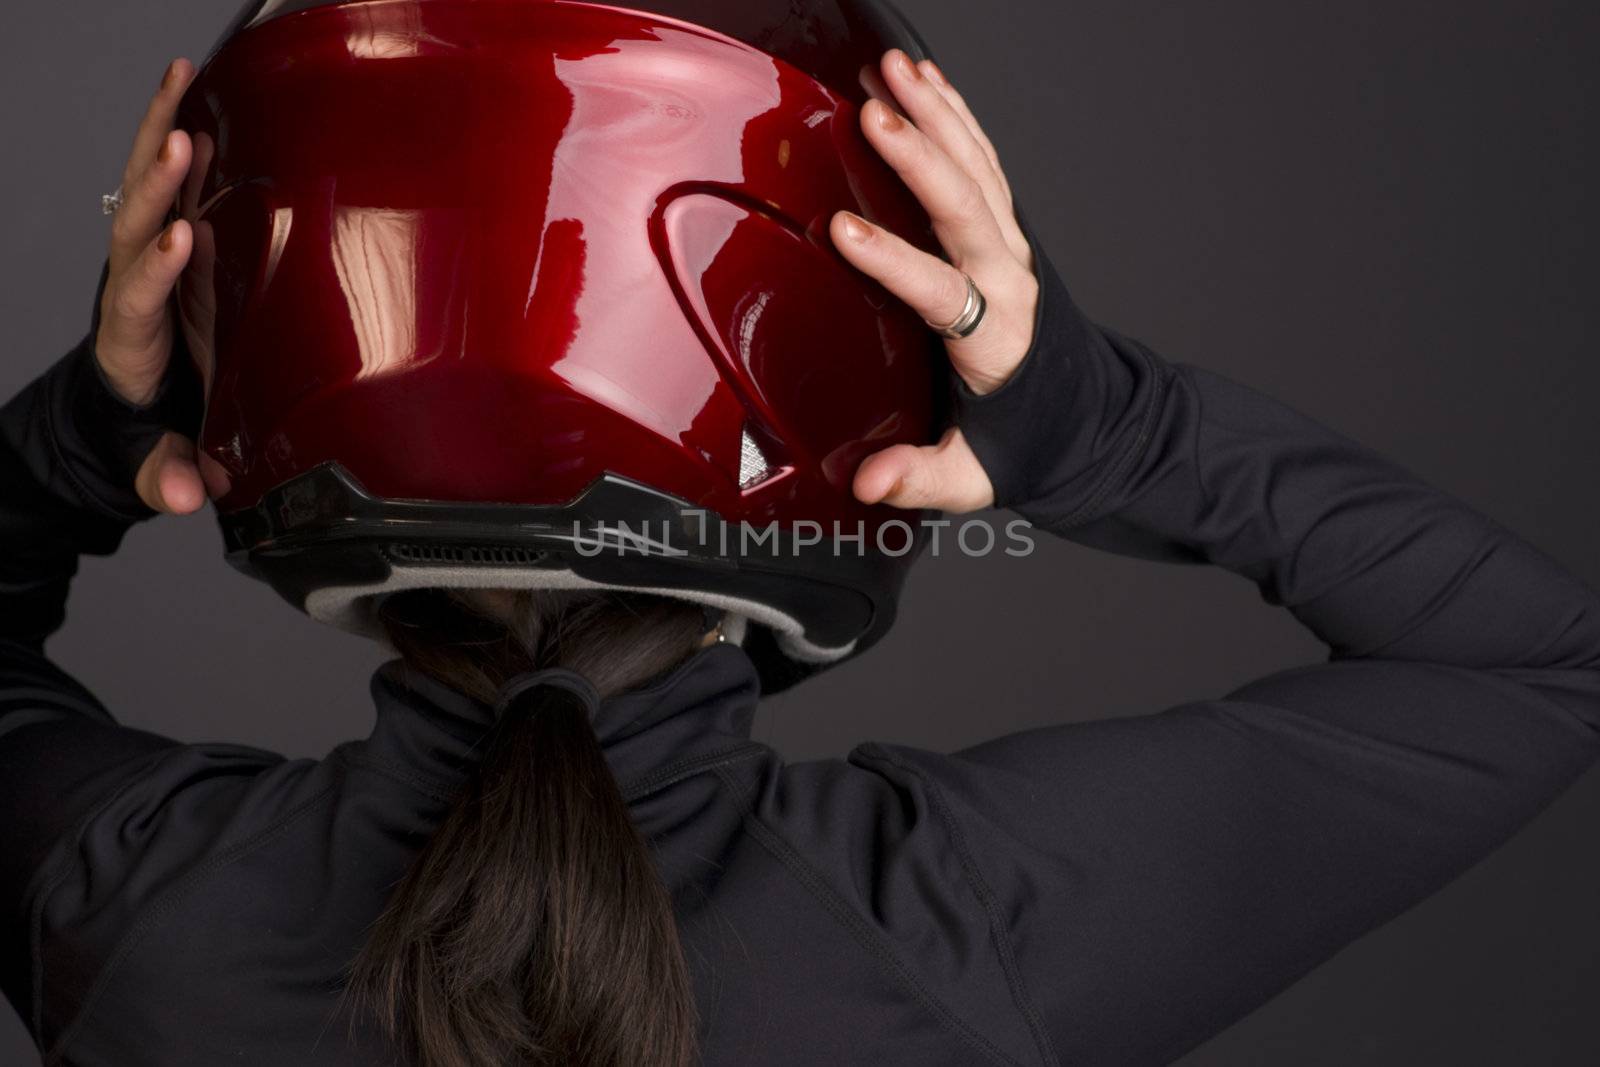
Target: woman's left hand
146	258
949	164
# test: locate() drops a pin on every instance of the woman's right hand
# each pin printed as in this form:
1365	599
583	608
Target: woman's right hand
147	257
951	167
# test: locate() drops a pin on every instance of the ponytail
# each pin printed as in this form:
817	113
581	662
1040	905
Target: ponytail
534	927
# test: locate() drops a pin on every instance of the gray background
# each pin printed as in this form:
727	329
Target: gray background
1381	212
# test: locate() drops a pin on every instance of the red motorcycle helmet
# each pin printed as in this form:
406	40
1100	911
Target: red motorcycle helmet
533	293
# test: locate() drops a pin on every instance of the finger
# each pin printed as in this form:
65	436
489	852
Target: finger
136	305
158	119
169	480
202	151
134	341
1001	200
196	305
959	104
935	117
937	291
946	476
933	288
962	219
218	482
875	88
148	200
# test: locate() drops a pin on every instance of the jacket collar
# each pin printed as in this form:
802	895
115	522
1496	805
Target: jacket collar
704	706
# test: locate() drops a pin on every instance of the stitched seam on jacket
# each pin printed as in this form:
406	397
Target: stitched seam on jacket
1086	511
980	888
779	846
435	789
53	872
635	789
167	902
673	773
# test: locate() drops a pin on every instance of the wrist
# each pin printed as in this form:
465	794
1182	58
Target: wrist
99	432
1056	430
998	412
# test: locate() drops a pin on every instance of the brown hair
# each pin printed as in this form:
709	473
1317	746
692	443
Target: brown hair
534	928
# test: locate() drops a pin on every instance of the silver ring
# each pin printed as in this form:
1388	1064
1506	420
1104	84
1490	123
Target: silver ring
971	315
111	202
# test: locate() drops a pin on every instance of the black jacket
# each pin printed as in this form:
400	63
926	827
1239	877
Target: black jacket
1105	893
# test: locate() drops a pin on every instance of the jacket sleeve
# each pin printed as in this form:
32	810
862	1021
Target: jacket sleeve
1152	879
69	447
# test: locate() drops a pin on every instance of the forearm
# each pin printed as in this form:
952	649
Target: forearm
1104	442
69	450
1232	844
58	500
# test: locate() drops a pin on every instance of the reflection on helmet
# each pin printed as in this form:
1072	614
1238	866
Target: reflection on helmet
534	293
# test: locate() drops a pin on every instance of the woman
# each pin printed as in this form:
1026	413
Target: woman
472	885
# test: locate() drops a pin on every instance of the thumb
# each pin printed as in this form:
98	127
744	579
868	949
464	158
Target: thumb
169	480
946	476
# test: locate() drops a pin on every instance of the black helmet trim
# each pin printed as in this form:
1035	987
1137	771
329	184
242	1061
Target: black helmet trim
334	550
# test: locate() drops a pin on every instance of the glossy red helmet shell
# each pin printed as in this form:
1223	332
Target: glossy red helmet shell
471	274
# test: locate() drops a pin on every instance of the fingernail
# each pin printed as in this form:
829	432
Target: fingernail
164	242
908	68
170	76
936	74
890	119
165	152
855	227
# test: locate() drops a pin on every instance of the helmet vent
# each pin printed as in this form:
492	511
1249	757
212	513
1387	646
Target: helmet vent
489	555
753	466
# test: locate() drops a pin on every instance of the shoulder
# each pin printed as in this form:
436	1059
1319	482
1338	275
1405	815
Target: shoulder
174	817
874	828
876	871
